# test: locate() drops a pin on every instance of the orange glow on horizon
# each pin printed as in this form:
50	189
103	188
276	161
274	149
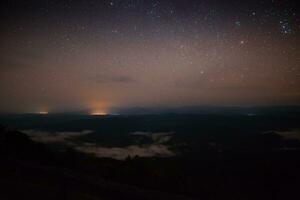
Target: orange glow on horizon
98	108
99	113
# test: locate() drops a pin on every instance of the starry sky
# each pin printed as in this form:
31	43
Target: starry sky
68	55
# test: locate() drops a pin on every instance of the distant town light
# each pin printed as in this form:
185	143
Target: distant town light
98	113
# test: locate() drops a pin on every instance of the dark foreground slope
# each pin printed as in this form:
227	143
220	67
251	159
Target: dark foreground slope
28	170
224	157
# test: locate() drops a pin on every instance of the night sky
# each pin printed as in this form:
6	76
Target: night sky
95	55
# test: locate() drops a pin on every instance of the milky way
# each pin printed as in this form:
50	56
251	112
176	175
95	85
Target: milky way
95	55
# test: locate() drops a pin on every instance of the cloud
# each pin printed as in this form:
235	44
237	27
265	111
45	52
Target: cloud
53	137
199	83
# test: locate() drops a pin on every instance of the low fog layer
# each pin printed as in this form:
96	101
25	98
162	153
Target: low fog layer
123	153
160	137
157	148
290	135
53	137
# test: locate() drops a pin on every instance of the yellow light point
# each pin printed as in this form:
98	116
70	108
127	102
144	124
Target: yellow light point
98	113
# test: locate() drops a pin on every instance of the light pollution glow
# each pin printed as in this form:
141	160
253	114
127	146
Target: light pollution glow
96	113
147	53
